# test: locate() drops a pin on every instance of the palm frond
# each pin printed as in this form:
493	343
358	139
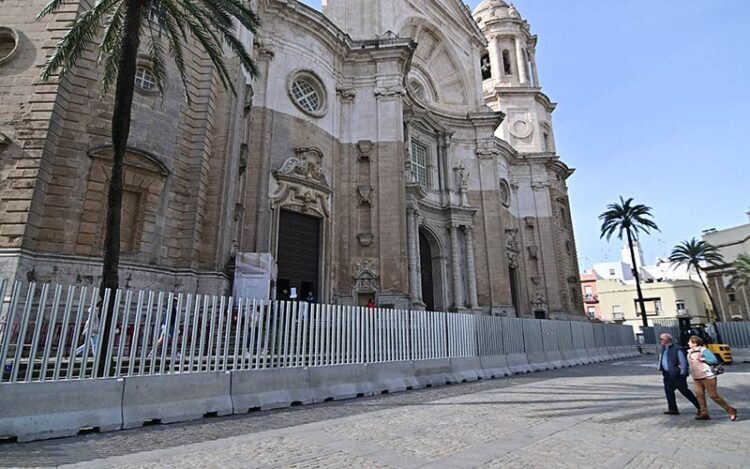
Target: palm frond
110	47
624	217
157	56
79	37
51	7
741	276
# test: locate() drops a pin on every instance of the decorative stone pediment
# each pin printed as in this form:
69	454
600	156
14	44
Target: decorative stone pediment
365	277
305	168
300	184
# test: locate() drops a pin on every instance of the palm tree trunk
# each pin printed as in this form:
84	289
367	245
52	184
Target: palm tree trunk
637	279
708	292
120	133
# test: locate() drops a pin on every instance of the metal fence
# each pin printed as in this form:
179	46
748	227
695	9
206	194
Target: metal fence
49	332
736	334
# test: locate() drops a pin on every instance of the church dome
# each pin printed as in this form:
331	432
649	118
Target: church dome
491	9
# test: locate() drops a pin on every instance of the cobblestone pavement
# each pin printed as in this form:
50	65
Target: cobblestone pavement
604	415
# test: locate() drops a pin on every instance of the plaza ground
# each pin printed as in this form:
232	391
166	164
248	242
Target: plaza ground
604	415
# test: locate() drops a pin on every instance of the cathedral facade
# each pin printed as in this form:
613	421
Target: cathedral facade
390	151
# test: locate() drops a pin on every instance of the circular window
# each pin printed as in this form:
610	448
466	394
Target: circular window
417	89
307	92
521	128
144	78
8	44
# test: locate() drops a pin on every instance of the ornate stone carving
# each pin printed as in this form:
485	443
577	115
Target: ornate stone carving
486	148
533	252
365	149
264	52
538	186
364	193
390	91
511	247
529	222
346	94
538	302
365	277
365	239
306	166
462	178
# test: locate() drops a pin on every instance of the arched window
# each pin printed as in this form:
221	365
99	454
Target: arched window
506	62
485	66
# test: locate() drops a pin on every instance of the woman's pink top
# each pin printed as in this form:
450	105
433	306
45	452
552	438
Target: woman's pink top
698	368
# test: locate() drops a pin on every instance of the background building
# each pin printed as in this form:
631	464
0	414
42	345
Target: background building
669	291
386	151
733	304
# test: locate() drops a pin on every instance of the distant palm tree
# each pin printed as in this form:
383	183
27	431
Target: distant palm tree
630	219
692	254
741	275
115	28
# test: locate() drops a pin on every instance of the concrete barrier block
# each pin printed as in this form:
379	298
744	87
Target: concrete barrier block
391	376
570	358
554	357
518	363
466	368
39	411
539	361
175	397
270	388
433	372
337	382
583	355
494	366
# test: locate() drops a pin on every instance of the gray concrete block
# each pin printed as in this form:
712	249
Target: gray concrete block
433	372
271	388
175	398
38	411
466	368
518	363
339	382
494	366
570	358
539	361
392	376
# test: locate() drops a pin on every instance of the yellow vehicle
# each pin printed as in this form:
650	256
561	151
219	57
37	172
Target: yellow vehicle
722	351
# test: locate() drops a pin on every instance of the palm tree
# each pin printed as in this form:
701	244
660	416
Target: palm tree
630	219
115	28
741	275
693	253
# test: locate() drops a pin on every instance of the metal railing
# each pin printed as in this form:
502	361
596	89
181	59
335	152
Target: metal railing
49	332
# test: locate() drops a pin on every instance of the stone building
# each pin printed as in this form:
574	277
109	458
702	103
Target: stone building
389	150
732	303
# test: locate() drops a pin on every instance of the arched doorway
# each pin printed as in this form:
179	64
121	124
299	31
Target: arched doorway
298	256
431	267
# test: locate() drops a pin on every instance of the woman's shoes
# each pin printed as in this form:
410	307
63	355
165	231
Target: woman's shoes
732	414
702	416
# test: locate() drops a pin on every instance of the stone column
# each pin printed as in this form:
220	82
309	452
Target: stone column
520	62
458	288
471	267
496	61
412	235
534	75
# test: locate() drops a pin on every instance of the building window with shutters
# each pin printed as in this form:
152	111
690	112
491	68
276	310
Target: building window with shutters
419	152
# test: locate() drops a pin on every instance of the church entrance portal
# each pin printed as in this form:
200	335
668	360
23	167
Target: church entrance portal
425	259
298	255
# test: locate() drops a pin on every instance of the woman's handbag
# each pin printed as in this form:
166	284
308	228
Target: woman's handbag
717	369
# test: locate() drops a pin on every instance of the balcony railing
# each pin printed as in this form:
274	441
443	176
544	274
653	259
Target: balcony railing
591	298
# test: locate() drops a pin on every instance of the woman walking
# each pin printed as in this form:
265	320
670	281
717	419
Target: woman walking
700	359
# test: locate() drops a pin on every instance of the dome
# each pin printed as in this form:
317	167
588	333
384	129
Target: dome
496	9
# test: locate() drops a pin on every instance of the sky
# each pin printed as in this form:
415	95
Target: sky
653	101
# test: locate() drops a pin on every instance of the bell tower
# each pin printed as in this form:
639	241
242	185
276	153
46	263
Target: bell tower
510	79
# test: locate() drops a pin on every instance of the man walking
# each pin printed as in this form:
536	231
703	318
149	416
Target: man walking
674	369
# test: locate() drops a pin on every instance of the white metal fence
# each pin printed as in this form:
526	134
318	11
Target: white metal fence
48	332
